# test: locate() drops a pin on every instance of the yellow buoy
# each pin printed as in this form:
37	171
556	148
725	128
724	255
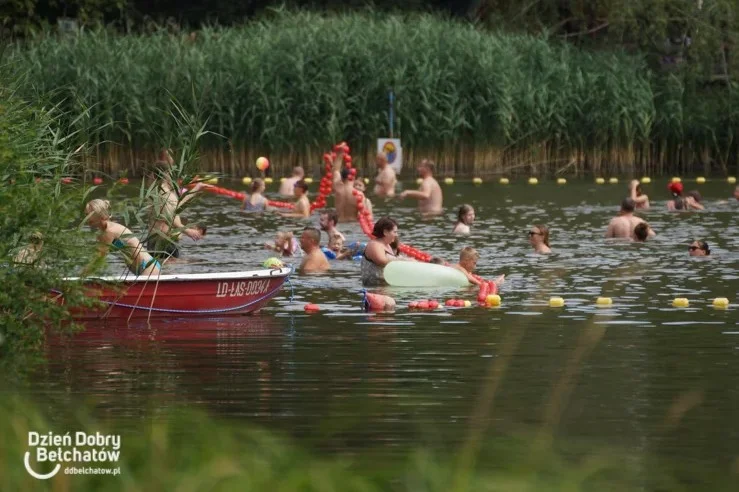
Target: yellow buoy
467	304
680	302
246	180
613	181
366	181
492	300
700	180
504	181
477	181
212	181
268	180
282	179
556	302
561	181
448	181
646	180
676	179
721	302
600	181
308	180
731	180
604	301
533	181
419	181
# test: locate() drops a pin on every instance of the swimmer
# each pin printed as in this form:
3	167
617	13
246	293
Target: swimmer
379	252
302	205
468	259
385	180
30	254
286	187
622	226
314	261
539	239
256	202
115	235
429	195
359	186
328	220
699	248
285	244
641	232
346	204
691	201
465	218
641	201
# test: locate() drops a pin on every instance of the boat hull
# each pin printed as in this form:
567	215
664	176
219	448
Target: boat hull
186	295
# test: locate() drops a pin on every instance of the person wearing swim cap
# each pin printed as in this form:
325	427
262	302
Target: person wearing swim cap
287	186
314	260
385	180
429	194
622	226
699	248
641	200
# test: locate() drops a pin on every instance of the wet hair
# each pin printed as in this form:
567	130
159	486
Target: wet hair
464	210
695	194
332	215
704	246
468	253
436	260
679	202
382	225
99	208
428	164
256	184
313	234
544	230
641	231
627	205
302	185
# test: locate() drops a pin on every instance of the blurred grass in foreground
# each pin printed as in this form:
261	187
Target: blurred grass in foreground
190	451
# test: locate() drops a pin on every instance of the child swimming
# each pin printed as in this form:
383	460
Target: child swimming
285	244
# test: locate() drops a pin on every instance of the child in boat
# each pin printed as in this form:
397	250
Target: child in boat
285	244
120	238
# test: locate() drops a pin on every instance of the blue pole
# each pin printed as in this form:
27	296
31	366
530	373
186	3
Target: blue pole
391	113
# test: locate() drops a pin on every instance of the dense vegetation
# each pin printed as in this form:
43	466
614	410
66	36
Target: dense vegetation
289	86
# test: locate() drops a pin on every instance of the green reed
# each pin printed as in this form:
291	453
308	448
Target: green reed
292	84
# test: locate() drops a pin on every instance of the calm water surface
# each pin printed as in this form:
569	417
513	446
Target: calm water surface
640	376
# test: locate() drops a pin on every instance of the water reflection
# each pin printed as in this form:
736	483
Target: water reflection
347	380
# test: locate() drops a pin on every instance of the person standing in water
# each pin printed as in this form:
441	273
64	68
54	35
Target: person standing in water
429	193
465	218
287	186
385	180
539	239
641	201
302	205
622	226
314	260
256	201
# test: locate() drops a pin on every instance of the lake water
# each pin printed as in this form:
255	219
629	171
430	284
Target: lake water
639	376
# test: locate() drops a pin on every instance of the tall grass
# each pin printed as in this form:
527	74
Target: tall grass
290	85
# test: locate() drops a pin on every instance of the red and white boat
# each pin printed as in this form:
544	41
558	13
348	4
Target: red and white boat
184	295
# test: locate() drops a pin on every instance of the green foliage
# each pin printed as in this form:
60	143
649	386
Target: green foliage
34	155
